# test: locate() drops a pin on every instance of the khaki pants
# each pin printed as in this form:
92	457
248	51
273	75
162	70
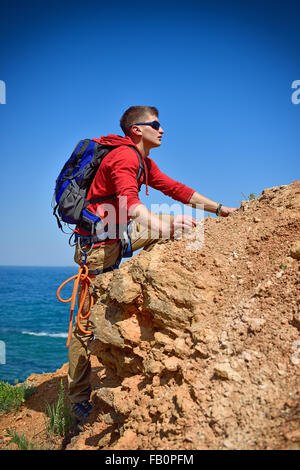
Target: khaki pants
99	258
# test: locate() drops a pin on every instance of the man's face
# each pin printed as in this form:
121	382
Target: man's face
151	137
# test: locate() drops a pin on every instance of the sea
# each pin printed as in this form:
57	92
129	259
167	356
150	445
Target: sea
33	322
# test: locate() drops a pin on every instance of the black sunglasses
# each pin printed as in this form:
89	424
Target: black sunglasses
154	124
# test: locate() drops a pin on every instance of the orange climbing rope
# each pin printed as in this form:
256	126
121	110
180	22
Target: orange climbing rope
83	278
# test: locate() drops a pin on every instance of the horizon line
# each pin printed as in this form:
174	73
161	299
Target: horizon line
36	266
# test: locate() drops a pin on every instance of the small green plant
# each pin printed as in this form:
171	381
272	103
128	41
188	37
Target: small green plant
283	266
250	197
12	396
60	417
19	440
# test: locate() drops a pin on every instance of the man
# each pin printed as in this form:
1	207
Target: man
117	175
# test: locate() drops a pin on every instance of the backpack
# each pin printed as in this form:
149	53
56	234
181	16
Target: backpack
74	181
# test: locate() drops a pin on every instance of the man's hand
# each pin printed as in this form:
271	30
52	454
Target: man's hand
226	211
183	224
161	228
199	201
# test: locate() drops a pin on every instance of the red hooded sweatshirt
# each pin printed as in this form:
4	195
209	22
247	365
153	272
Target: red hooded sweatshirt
117	175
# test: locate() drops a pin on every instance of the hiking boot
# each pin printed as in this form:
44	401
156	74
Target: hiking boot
81	410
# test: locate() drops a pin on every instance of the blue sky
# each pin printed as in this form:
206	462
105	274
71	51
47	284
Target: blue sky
220	73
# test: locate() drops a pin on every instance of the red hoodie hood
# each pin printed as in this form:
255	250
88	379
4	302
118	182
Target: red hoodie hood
114	140
118	140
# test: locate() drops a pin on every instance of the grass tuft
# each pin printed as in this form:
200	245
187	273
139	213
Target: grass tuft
60	416
250	197
19	440
12	396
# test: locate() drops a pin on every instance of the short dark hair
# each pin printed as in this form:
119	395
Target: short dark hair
135	114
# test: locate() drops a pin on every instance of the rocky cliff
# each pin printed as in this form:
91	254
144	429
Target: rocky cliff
199	347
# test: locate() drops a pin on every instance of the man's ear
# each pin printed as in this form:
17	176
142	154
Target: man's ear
135	130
